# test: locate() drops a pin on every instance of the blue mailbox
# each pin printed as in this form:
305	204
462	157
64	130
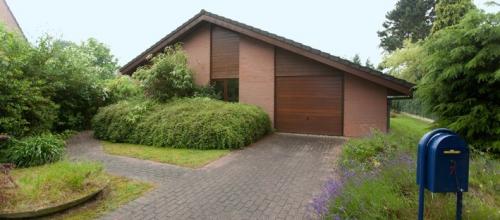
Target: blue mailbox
442	165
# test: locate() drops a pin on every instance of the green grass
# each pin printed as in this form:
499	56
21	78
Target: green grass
120	191
192	158
57	183
51	184
404	124
379	179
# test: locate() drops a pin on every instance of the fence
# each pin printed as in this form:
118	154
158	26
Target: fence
412	106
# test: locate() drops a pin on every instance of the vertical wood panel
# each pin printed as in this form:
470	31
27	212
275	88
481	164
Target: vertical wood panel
224	53
309	95
291	64
309	104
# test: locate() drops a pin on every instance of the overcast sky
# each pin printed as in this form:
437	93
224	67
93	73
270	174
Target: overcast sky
342	28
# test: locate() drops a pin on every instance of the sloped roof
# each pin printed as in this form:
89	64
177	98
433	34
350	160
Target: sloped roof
398	85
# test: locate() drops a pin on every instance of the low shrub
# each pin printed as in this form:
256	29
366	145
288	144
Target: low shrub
35	150
199	123
206	91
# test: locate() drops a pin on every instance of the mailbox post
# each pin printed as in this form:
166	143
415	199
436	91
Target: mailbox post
442	166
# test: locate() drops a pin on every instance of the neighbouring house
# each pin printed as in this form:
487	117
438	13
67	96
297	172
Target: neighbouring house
302	89
8	19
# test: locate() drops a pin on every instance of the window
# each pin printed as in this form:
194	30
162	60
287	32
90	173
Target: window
227	88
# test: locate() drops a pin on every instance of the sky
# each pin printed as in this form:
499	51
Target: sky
339	27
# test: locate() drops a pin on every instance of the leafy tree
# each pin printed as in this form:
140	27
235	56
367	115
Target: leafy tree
101	59
356	59
411	19
450	12
463	77
24	108
72	81
406	62
168	75
53	85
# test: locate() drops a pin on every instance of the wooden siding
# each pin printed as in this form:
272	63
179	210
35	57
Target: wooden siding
292	64
224	53
309	104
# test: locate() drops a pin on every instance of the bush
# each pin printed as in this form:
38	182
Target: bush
199	123
24	108
52	85
36	150
168	76
122	87
206	91
71	80
462	79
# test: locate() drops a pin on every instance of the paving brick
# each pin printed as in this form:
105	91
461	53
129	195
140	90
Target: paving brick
274	178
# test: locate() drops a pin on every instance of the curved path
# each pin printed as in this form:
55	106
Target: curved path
275	178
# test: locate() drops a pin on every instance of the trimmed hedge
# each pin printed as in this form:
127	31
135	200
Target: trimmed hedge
199	123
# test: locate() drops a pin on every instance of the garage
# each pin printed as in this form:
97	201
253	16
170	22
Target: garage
302	89
308	96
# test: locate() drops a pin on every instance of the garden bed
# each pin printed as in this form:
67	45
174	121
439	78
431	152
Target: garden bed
51	185
51	188
119	191
51	209
378	180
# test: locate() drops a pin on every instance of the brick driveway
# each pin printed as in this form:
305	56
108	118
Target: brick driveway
275	178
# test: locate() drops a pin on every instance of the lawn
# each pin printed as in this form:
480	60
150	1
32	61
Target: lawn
405	124
120	191
192	158
378	180
58	183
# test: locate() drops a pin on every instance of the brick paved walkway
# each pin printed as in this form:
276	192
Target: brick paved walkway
274	178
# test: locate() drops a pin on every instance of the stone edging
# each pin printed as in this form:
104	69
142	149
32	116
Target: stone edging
53	209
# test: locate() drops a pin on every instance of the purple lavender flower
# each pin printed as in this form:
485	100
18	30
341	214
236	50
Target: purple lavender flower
330	190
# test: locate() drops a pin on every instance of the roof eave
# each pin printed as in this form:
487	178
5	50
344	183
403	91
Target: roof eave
158	46
396	84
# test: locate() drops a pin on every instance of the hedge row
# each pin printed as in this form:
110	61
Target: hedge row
199	123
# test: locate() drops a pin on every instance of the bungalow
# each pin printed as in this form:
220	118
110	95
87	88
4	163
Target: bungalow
303	90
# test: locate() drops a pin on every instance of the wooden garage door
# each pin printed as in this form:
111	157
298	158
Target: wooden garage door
309	104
